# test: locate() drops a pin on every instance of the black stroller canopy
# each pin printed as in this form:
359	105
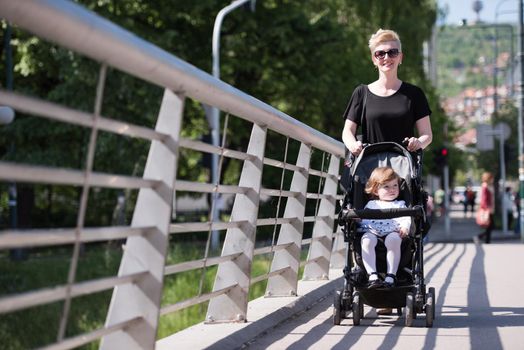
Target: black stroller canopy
383	154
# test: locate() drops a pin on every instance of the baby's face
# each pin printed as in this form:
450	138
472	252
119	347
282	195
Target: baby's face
388	191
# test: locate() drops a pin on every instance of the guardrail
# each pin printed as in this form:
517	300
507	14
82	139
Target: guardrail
133	316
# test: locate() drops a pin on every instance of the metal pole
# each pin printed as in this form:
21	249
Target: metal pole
214	115
512	57
503	180
495	72
13	215
447	223
520	120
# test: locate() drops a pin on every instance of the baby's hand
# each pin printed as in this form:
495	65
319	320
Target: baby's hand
403	232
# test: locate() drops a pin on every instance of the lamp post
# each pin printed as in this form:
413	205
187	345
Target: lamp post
213	113
512	55
496	27
7	117
520	119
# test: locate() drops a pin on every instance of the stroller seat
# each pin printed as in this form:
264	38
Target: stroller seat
410	273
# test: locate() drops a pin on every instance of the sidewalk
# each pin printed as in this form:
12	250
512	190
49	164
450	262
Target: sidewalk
463	230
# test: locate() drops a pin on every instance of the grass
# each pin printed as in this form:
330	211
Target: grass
38	326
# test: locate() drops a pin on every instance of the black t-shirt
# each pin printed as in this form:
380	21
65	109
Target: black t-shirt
389	118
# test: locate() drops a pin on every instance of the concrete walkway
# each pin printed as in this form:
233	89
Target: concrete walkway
479	305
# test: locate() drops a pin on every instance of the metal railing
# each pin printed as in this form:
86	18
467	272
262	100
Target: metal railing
133	316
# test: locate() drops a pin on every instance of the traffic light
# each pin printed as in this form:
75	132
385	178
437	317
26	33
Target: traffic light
444	155
440	155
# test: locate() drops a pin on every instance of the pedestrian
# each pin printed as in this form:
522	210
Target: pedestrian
383	187
469	200
439	201
486	207
516	228
388	109
509	205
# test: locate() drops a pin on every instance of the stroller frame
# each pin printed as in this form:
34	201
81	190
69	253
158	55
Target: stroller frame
411	295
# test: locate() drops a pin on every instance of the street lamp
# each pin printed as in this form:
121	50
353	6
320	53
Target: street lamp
512	57
495	26
7	115
213	113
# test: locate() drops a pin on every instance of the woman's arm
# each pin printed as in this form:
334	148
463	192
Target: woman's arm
349	139
425	135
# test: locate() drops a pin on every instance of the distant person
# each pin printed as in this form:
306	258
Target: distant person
509	204
487	203
516	228
430	207
469	200
439	201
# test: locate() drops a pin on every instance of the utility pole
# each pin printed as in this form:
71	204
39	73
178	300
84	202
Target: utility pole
520	119
16	254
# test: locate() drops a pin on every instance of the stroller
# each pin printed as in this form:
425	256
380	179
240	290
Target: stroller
410	290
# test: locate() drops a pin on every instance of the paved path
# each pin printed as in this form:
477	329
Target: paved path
479	305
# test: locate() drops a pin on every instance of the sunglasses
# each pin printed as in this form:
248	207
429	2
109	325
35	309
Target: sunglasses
381	54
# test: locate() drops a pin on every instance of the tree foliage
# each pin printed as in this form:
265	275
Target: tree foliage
304	58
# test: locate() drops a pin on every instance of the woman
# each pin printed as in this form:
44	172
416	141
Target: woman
393	108
388	109
487	203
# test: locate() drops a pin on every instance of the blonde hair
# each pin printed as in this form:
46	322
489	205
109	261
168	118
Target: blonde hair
378	177
383	36
487	177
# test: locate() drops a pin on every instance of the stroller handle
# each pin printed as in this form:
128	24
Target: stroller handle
416	211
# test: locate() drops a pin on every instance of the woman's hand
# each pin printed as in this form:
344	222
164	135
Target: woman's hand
355	148
414	144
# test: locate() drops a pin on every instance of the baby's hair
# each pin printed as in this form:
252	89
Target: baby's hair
380	176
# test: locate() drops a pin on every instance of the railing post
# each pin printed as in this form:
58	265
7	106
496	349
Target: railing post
317	265
285	284
153	208
338	253
232	306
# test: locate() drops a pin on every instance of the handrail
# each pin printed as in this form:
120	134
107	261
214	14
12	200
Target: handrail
71	26
143	266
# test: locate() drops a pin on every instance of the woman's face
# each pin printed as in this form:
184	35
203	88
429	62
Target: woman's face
388	191
387	56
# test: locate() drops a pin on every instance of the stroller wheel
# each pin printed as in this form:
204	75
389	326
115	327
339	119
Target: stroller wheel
432	292
357	306
337	306
430	308
410	309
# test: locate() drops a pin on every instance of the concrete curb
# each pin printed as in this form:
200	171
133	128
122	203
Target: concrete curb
238	339
263	315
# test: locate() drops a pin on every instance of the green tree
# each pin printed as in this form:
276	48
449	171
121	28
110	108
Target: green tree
303	58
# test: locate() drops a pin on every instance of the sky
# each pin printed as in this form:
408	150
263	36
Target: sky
507	11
